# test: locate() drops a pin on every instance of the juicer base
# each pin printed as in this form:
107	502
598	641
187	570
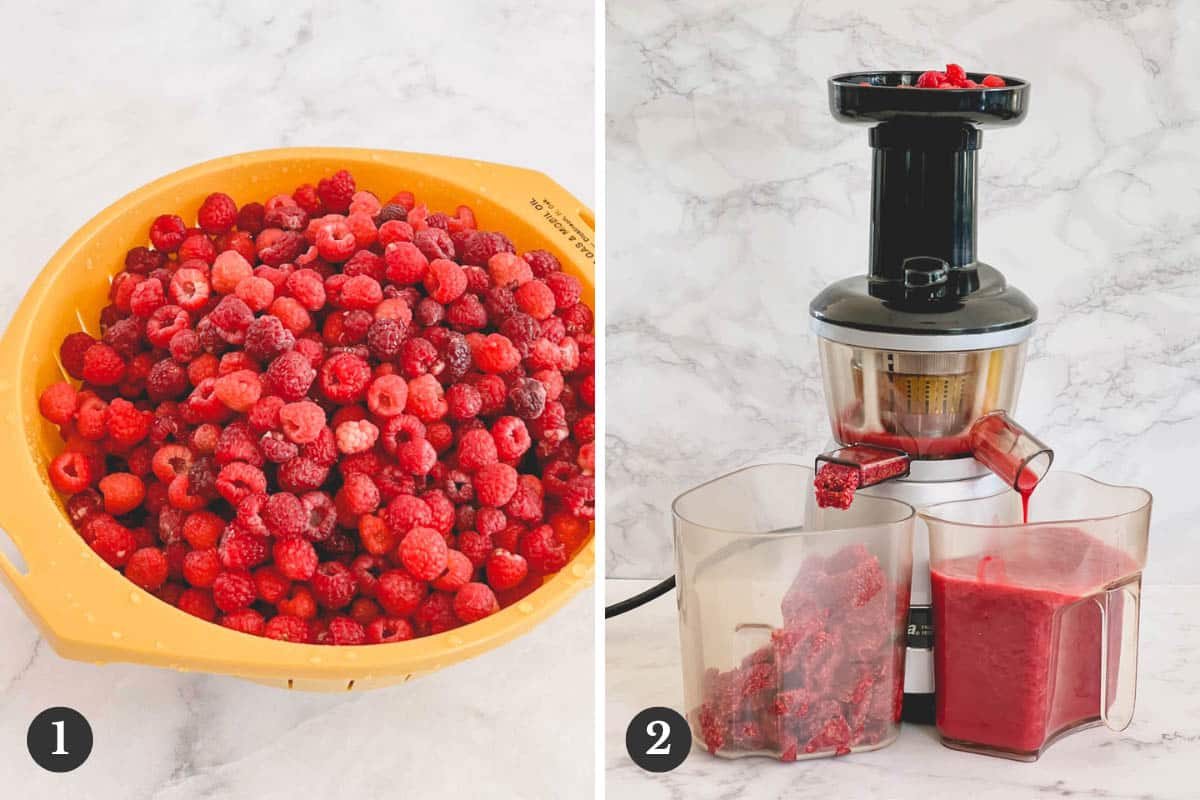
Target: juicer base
918	709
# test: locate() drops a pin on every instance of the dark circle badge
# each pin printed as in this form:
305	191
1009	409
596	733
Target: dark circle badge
658	739
59	739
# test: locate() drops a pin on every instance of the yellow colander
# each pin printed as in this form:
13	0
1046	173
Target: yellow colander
86	609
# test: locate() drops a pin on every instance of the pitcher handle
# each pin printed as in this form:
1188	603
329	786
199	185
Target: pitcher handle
1120	608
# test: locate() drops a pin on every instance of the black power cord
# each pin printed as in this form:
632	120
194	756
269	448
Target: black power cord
639	599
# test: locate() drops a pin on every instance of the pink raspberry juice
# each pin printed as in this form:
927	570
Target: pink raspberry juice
1017	639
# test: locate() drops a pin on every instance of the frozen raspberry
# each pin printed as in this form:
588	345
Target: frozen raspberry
434	243
511	438
406	264
197	246
361	292
218	213
358	495
337	191
399	593
147	568
505	570
245	620
579	497
323	449
500	304
387	396
993	81
416	457
426	398
57	402
542	262
102	366
495	484
480	246
290	376
72	353
536	299
302	422
385	338
496	354
476	449
406	512
202	529
467	313
122	492
286	628
527	398
423	552
475	601
201	567
463	401
566	289
385	630
198	603
542	549
250	218
344	378
271	583
356	437
267	338
526	503
445	281
167	232
509	271
459	570
114	543
276	246
233	590
295	557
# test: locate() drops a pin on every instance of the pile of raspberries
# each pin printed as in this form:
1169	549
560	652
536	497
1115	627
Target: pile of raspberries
332	420
955	77
832	678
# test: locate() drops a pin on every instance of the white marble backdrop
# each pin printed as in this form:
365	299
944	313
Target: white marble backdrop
101	98
733	197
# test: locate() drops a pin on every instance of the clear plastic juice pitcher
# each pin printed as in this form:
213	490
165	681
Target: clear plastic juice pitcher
792	618
1036	625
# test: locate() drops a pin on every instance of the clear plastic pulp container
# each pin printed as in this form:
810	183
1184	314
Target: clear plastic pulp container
1036	625
792	618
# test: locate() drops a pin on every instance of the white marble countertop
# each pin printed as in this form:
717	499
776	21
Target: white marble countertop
1154	759
105	97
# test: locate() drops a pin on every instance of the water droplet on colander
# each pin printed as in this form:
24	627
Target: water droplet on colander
254	179
159	645
315	660
455	641
90	264
117	634
351	655
578	570
11	418
376	157
5	386
135	597
284	169
525	607
85	553
89	616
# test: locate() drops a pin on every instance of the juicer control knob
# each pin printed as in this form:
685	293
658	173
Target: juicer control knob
926	276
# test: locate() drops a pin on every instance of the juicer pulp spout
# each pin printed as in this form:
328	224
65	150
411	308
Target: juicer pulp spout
871	463
1018	457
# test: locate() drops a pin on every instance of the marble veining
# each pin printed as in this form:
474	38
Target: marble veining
734	197
1153	759
102	98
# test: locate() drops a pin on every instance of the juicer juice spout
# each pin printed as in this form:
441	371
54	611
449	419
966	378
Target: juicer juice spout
843	471
1018	457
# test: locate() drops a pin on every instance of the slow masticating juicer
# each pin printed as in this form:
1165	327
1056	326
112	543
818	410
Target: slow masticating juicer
924	353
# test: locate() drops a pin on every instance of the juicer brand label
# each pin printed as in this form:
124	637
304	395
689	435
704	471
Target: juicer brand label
920	628
577	238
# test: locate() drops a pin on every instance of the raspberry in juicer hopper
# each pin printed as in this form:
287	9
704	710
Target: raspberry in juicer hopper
922	356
